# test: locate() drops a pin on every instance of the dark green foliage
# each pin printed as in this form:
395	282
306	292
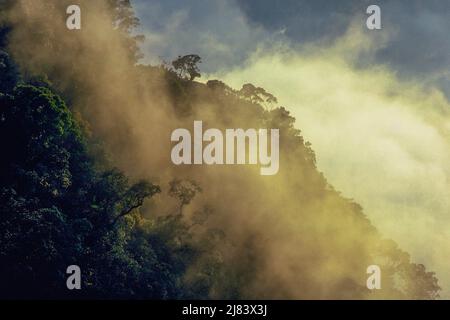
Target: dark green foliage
57	210
9	75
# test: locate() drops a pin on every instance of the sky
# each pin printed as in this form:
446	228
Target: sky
374	104
226	32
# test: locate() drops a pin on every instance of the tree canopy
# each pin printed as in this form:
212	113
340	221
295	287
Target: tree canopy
62	203
186	67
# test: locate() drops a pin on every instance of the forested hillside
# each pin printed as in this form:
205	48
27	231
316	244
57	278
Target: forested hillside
86	179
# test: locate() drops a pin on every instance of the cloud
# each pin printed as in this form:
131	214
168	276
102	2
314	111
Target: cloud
381	140
226	33
216	30
371	102
418	45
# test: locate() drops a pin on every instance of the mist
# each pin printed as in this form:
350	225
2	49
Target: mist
379	139
290	235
